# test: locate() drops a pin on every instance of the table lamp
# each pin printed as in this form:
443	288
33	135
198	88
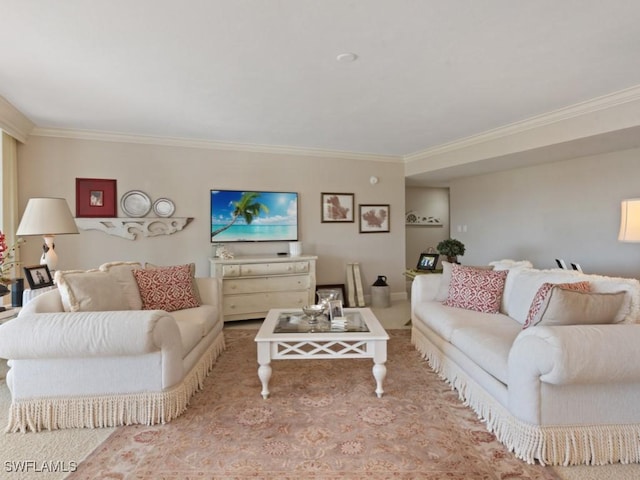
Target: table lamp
47	217
630	220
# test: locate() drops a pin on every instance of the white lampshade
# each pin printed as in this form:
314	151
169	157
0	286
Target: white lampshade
630	220
47	217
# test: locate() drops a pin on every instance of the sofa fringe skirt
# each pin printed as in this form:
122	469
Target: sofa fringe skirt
147	408
549	445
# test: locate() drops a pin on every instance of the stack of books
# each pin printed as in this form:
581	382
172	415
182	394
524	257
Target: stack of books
339	323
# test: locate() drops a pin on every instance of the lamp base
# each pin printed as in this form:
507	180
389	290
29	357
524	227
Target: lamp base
49	256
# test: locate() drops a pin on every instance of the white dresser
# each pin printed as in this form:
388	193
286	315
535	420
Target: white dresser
252	285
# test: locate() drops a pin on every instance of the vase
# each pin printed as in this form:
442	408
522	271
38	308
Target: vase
17	289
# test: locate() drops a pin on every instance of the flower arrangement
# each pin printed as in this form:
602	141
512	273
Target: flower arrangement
7	258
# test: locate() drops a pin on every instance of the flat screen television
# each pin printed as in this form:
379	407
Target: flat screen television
253	216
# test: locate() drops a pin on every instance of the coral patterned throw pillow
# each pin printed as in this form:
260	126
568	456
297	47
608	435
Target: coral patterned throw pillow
475	289
166	288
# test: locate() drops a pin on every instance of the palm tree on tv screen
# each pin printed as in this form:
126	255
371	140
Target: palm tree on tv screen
247	207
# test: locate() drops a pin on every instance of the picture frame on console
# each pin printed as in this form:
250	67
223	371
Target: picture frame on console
38	276
337	208
96	197
335	309
427	261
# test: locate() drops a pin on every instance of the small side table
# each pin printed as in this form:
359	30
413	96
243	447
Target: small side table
9	314
29	294
412	273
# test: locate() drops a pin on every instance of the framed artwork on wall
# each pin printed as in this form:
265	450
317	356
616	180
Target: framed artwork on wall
95	197
337	207
374	218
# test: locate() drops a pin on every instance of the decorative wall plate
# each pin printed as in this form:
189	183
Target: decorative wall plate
135	203
163	207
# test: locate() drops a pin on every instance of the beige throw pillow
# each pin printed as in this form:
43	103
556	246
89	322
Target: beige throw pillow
90	291
123	273
569	307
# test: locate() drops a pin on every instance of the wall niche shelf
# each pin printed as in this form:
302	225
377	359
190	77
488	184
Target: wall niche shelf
416	219
131	228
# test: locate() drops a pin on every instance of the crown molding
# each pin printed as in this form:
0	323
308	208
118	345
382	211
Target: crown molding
595	105
14	122
208	144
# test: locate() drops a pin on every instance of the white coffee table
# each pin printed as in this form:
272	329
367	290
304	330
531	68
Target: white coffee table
286	334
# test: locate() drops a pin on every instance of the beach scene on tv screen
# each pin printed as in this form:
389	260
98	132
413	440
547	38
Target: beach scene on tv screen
246	216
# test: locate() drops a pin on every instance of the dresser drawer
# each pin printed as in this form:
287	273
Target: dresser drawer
261	303
258	269
230	271
266	284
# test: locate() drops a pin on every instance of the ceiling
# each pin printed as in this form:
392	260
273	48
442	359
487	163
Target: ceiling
265	73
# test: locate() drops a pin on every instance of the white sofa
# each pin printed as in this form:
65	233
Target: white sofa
562	394
91	353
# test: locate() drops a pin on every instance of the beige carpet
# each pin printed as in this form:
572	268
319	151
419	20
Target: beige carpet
44	455
234	422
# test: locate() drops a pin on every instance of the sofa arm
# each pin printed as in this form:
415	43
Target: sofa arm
577	354
88	334
210	290
425	288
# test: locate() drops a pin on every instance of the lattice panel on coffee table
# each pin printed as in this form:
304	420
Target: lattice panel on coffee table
325	349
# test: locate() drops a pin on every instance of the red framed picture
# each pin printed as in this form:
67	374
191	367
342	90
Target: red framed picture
95	197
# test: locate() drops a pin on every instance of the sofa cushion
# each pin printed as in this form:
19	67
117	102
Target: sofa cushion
123	273
90	291
523	284
541	298
205	315
190	327
445	320
488	343
166	288
475	289
570	307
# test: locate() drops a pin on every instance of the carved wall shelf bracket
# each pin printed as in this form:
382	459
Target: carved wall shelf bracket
131	228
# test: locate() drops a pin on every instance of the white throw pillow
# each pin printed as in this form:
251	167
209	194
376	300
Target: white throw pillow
508	264
90	291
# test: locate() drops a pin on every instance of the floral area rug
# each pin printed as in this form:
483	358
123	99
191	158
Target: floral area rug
322	421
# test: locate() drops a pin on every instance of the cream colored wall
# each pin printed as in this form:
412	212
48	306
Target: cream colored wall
568	209
432	202
49	167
